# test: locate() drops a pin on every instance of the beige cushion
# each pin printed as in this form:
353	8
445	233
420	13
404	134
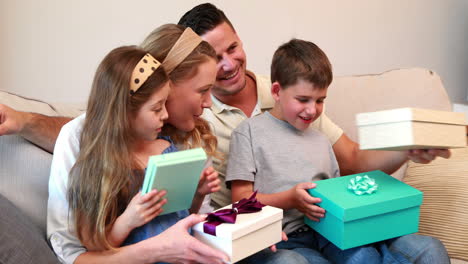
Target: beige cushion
25	168
22	103
444	212
350	95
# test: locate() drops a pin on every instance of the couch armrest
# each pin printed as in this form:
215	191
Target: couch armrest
24	177
20	240
444	212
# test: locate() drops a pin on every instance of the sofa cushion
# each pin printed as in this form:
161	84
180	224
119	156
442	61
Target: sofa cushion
24	177
444	212
22	103
391	89
20	241
25	168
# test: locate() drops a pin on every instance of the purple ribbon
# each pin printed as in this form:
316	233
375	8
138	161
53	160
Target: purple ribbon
243	206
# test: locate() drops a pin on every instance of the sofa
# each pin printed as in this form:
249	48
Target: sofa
24	167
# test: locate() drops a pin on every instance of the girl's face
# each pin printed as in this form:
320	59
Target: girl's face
149	119
299	104
189	97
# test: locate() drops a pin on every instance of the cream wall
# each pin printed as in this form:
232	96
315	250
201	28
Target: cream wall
49	49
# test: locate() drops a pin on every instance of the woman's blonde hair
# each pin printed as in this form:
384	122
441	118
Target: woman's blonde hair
103	179
159	43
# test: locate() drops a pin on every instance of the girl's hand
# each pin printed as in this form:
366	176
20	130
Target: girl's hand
143	208
305	203
284	237
209	182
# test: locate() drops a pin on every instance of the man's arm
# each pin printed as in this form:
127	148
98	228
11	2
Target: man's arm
39	129
353	160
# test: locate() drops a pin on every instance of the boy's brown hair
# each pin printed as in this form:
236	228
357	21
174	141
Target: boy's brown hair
300	59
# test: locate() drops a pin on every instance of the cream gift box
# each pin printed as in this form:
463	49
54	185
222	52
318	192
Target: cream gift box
411	128
251	233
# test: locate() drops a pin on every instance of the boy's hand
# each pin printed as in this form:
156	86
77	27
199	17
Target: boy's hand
143	208
209	182
305	203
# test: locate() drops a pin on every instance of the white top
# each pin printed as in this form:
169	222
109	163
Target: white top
60	226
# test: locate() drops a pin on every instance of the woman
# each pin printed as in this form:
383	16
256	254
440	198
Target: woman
192	71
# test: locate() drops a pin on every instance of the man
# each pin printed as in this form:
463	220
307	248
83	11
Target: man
239	94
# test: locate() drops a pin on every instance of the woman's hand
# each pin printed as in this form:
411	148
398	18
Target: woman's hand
180	247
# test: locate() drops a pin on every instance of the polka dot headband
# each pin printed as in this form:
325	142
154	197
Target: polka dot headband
144	68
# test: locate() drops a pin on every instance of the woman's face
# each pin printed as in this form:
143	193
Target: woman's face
188	98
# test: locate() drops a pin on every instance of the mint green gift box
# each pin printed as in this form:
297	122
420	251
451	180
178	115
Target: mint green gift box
354	220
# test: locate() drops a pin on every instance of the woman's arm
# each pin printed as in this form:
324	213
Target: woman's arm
175	245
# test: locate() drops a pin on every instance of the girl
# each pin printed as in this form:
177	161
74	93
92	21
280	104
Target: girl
126	113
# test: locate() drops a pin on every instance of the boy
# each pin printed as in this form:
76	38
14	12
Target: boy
278	154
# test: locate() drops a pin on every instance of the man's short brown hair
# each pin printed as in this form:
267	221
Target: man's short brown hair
300	59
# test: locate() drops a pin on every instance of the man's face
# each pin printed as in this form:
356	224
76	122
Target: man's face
231	67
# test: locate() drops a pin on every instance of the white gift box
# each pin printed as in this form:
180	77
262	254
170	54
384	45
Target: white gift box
251	233
411	128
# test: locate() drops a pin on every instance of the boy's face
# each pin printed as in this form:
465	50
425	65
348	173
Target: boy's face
299	104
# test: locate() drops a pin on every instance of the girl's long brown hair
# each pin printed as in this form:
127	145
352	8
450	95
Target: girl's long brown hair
159	43
101	180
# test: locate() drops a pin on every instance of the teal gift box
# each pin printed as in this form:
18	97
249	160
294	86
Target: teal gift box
353	220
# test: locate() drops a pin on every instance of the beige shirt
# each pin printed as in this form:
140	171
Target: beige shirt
224	119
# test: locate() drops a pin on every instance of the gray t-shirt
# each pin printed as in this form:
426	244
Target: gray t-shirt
276	156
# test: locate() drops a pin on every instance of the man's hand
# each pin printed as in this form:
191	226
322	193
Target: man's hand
305	203
181	247
426	156
11	121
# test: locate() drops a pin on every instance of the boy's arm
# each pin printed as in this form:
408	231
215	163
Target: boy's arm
243	189
39	129
295	198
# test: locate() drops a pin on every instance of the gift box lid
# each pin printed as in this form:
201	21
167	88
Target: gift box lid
410	114
391	195
245	223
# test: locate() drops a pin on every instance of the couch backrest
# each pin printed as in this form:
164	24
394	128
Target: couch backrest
350	95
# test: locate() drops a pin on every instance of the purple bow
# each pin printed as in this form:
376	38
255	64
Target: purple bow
243	206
